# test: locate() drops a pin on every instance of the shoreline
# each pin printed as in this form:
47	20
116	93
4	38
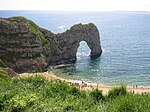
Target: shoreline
88	86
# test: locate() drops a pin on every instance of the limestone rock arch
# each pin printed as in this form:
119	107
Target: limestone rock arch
70	40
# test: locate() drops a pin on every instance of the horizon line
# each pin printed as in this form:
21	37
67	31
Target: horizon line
73	11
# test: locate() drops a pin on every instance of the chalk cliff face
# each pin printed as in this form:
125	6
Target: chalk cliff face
25	47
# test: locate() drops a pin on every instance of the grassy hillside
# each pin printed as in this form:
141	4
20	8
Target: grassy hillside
36	94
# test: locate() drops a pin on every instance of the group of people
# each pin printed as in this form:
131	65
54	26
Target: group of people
78	84
135	86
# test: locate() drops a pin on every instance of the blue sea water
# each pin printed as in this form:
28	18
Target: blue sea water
125	40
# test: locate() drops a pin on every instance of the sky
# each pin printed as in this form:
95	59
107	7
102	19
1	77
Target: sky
76	5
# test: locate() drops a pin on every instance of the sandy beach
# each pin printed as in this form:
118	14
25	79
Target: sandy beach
88	86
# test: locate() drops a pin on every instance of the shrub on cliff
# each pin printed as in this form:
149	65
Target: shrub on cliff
117	91
97	95
3	74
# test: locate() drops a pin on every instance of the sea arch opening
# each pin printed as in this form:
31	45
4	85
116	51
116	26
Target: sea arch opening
83	51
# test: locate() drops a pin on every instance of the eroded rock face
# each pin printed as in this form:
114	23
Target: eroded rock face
25	47
21	45
69	42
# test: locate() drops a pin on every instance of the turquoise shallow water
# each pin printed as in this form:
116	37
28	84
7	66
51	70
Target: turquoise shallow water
125	40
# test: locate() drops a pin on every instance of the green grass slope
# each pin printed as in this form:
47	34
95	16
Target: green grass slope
36	94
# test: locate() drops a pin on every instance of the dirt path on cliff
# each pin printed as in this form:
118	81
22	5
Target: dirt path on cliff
88	86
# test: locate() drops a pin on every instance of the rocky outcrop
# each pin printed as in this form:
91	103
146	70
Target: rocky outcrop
25	47
21	45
